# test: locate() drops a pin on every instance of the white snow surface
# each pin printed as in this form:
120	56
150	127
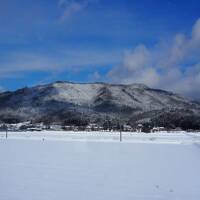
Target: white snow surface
85	94
74	93
96	166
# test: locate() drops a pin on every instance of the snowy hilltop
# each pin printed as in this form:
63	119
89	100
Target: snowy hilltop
82	103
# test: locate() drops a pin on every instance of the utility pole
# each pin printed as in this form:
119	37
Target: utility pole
120	130
120	133
6	130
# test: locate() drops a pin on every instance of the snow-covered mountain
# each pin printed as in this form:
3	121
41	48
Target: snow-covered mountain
62	101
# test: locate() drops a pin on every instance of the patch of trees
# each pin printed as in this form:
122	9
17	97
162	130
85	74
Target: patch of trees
10	120
75	122
177	119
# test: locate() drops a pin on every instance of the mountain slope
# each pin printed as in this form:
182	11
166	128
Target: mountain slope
62	101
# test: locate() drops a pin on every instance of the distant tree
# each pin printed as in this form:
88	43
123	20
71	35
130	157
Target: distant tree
146	128
107	125
75	122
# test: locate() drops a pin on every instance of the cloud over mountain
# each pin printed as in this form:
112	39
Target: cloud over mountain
172	64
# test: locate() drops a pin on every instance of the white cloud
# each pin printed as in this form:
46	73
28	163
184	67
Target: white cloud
173	65
71	7
12	64
196	31
2	89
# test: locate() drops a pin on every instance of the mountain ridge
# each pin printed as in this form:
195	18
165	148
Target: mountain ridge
60	101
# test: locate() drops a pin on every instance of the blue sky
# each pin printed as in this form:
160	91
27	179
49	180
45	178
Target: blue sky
123	41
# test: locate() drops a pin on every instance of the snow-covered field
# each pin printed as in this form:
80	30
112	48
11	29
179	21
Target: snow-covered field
128	137
96	166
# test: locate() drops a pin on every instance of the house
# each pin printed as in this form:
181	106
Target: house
93	127
68	128
158	129
34	129
127	128
56	127
139	128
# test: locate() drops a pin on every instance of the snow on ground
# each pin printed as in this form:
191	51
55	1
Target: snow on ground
130	137
52	166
